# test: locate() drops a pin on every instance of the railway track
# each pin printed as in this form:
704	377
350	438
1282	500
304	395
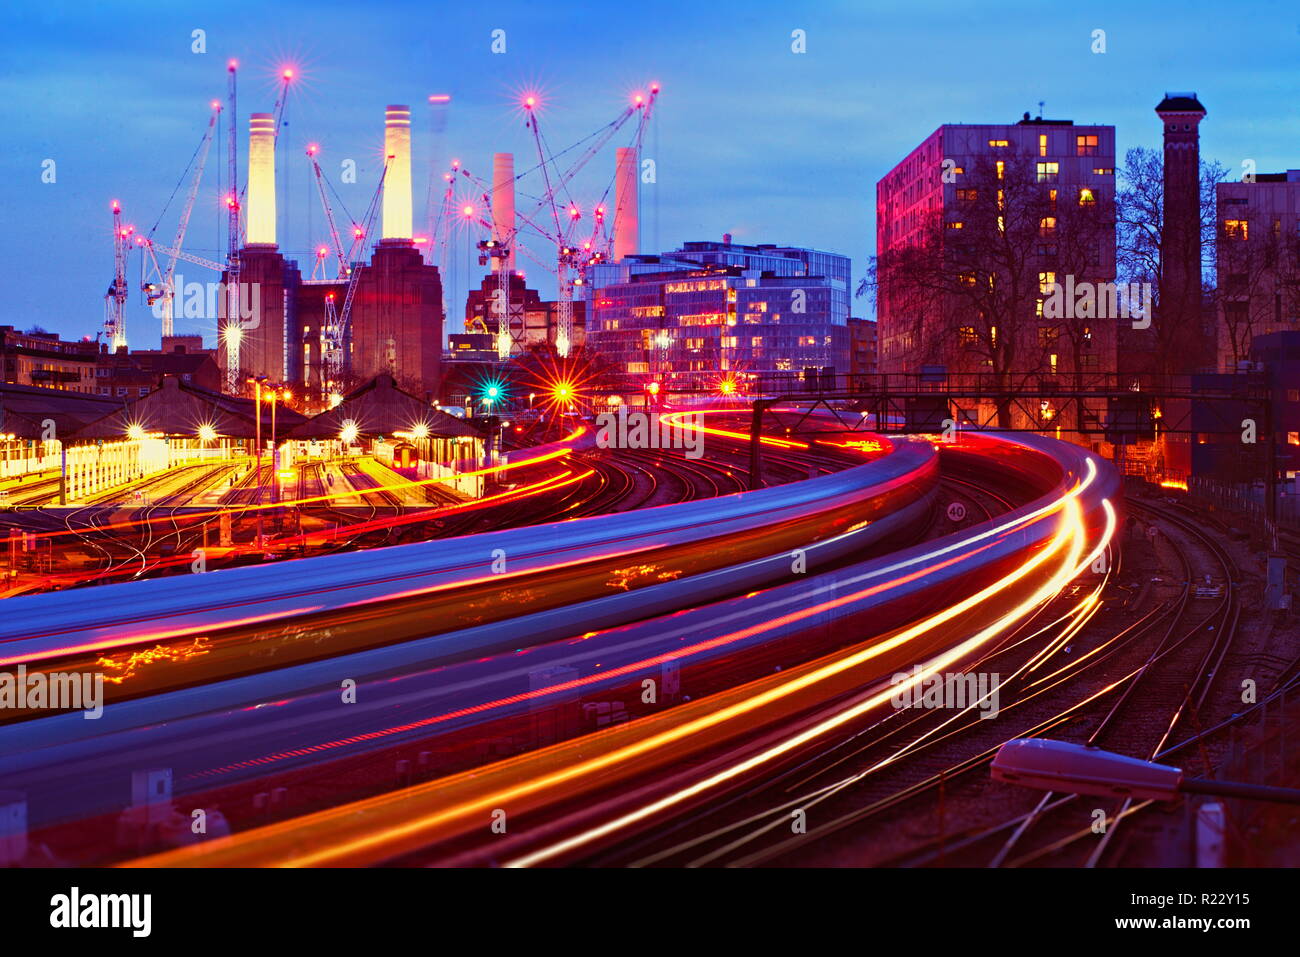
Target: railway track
914	757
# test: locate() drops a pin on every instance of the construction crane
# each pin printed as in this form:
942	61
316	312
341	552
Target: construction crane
115	298
233	333
344	268
334	349
159	285
571	255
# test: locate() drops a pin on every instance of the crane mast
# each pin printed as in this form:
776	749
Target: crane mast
115	298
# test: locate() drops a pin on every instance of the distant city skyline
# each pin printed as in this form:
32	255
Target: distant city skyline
750	137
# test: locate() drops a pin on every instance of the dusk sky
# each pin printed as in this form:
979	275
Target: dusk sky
749	137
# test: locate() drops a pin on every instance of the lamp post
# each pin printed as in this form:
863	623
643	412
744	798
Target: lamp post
257	416
1077	769
275	454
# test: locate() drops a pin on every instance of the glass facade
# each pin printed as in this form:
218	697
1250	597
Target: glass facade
710	311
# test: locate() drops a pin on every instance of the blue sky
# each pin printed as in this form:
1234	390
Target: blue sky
749	137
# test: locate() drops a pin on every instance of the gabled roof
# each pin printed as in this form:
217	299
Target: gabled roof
380	408
24	410
179	408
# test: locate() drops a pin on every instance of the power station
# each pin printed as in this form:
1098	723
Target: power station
382	317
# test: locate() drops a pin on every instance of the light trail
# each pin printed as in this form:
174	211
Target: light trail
385	826
672	418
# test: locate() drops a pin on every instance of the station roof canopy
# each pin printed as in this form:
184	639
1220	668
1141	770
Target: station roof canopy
379	408
180	409
25	411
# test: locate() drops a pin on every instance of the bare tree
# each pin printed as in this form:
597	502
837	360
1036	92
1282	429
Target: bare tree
972	286
1139	216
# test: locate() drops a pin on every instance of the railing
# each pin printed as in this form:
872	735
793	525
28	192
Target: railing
1248	500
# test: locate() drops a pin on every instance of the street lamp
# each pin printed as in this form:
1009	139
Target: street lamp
257	418
1077	769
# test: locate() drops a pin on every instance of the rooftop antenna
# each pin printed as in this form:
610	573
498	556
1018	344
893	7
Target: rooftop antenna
1040	109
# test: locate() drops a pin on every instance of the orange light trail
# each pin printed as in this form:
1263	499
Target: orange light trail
384	826
672	418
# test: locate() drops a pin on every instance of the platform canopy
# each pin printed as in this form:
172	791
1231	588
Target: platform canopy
379	408
26	411
182	410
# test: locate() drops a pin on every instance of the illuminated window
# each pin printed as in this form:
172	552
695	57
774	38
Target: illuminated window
1103	170
1047	336
1051	196
1236	229
1086	197
1047	223
966	278
1048	172
956	225
1002	168
967	195
966	335
1046	280
1086	145
999	144
1042	144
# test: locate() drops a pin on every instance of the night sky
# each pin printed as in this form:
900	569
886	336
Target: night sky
750	138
